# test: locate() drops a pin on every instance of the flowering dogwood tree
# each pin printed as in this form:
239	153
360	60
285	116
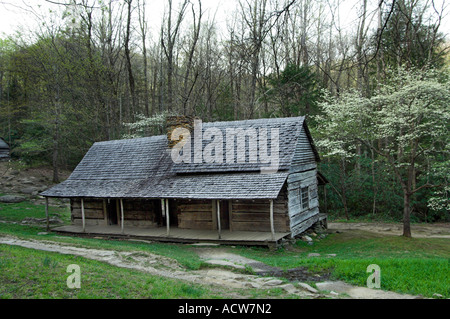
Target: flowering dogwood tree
406	123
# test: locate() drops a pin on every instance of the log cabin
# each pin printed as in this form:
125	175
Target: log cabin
4	150
238	182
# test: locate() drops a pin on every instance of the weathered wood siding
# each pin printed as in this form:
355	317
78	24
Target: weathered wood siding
301	218
140	212
4	153
136	212
303	173
195	214
93	211
254	215
304	158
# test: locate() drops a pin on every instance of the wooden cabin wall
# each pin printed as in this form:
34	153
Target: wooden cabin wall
136	212
141	212
93	211
303	173
195	214
302	218
254	215
4	153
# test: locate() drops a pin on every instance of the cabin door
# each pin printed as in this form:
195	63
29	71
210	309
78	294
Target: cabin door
112	211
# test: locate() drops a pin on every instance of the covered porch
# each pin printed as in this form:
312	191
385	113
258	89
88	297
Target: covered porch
175	235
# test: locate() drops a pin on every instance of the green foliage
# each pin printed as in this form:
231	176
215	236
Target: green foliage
146	126
403	126
295	91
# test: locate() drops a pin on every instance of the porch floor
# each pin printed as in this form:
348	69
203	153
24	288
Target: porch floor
176	234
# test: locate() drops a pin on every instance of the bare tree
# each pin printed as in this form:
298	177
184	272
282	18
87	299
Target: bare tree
169	35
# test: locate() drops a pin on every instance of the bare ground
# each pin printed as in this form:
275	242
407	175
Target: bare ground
435	230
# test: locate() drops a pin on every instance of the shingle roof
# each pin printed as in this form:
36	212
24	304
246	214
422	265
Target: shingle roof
3	144
288	130
143	168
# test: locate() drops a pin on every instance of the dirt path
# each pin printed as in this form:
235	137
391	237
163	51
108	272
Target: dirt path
167	267
436	230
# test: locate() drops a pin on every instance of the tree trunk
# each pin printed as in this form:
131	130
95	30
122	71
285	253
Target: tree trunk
406	214
128	62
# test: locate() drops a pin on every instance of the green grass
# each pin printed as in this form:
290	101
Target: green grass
416	266
17	212
28	273
408	265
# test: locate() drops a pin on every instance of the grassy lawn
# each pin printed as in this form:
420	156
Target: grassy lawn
414	266
28	273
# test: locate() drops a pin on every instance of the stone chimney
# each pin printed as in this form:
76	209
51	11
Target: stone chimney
177	121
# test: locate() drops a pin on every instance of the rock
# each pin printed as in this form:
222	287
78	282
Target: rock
438	295
224	263
314	255
306	238
308	287
273	282
42	233
334	293
310	243
252	285
32	220
28	190
289	288
55	220
331	255
12	199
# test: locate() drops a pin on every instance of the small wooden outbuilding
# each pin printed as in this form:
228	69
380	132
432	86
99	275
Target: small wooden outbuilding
135	187
4	150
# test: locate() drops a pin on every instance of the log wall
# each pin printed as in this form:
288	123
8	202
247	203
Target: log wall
136	212
254	215
301	218
195	214
93	211
141	212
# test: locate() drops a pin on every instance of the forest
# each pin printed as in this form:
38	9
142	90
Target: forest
375	87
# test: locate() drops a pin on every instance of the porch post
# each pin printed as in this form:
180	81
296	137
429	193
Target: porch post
167	217
218	218
46	213
105	213
83	219
163	208
272	229
121	215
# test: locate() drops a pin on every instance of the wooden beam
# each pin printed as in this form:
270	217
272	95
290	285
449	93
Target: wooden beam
272	229
167	217
83	219
121	216
219	229
230	214
46	213
105	213
163	208
214	214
